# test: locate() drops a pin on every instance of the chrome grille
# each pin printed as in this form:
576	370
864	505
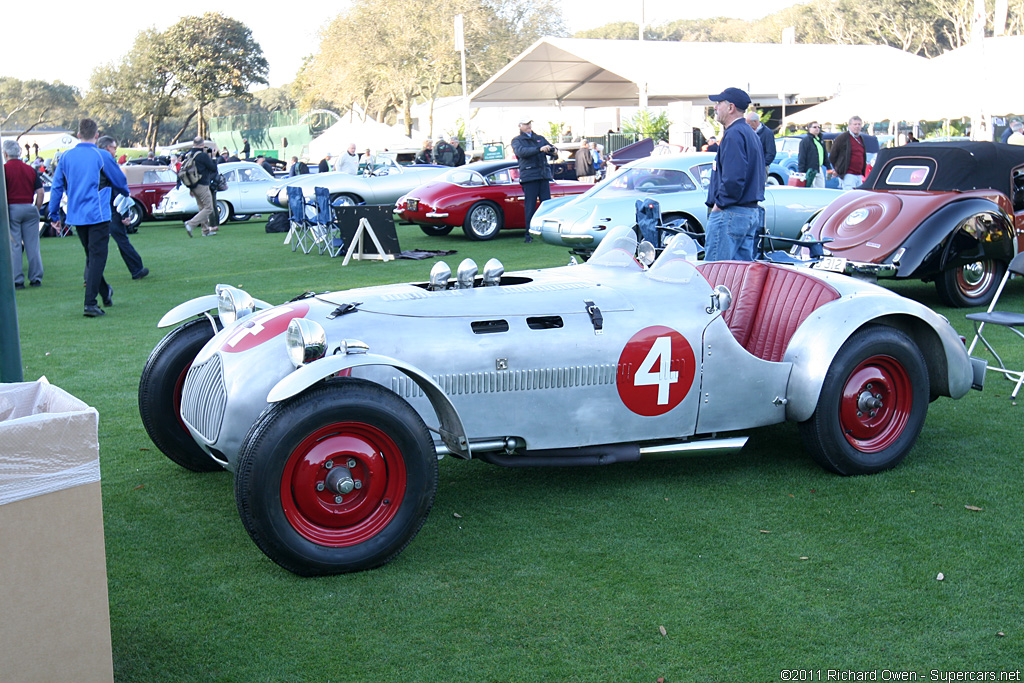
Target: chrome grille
203	398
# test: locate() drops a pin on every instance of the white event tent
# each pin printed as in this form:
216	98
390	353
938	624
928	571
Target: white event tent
368	134
968	82
610	73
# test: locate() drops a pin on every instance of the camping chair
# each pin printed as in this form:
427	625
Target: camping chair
1007	319
329	236
648	218
301	223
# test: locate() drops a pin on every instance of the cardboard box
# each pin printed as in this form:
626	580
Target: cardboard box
54	615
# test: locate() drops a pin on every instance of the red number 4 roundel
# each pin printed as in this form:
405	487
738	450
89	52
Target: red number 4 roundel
656	371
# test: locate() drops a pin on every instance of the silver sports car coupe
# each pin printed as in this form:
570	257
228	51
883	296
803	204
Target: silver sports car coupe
333	409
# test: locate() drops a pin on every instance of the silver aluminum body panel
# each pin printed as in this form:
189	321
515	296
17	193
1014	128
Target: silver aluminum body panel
528	360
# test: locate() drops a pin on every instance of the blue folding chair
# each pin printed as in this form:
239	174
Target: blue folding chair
301	223
329	232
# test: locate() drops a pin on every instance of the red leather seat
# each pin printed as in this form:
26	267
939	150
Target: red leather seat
768	302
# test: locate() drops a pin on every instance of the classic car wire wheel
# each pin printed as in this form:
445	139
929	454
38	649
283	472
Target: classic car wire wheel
343	484
876	404
483	221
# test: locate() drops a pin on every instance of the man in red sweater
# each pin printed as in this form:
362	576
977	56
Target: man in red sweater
24	199
848	156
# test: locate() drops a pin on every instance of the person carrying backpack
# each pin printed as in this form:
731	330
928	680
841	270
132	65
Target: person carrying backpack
196	173
444	153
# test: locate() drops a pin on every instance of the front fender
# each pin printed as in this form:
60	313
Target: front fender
815	344
934	246
452	432
197	306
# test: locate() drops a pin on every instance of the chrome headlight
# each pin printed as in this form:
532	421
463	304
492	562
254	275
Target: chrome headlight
233	303
305	340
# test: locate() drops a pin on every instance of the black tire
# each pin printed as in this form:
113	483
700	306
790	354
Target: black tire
223	211
160	395
436	230
135	214
484	221
973	284
773	180
872	404
285	457
241	217
344	199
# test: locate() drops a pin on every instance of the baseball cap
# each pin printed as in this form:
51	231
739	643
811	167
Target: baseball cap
523	121
738	97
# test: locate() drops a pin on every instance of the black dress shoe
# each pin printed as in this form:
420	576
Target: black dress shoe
108	300
141	274
93	312
19	285
36	283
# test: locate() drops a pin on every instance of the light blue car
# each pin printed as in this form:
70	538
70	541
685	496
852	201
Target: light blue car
678	182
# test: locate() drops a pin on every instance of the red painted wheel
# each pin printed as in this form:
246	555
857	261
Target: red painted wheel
876	404
971	284
872	404
160	388
343	484
337	479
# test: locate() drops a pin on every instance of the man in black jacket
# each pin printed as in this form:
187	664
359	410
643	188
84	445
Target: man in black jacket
765	135
201	190
532	152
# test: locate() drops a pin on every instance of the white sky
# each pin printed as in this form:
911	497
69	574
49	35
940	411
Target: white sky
49	42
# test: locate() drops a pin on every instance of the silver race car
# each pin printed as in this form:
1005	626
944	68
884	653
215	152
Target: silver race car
333	409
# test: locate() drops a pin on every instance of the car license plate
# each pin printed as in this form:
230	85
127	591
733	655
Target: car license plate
412	204
835	264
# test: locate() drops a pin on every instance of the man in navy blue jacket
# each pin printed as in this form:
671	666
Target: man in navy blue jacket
737	183
764	133
81	173
532	152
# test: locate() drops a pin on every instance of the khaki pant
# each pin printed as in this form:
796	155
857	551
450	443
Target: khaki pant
205	201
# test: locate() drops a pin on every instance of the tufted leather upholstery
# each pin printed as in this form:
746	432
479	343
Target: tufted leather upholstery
768	302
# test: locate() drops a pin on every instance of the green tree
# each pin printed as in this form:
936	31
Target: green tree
648	124
384	55
142	84
211	57
25	105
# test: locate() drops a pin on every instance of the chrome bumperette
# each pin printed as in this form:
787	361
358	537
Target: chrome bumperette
204	398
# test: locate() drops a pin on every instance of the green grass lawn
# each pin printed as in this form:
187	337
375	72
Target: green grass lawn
726	568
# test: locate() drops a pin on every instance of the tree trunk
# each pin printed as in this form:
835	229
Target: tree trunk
177	136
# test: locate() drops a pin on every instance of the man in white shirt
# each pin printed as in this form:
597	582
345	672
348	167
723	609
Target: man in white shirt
348	161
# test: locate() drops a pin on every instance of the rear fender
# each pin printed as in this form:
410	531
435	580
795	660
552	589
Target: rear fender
197	306
815	344
960	232
452	432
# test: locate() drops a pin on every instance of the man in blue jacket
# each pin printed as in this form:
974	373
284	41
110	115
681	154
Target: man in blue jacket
737	183
765	135
82	172
532	152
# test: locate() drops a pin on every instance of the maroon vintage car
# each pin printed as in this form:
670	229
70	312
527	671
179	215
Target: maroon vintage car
948	212
483	198
148	185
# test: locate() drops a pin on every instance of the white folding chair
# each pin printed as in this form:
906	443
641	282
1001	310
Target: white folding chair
1006	319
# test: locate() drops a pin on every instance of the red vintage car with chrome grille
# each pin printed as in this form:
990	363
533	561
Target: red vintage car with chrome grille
948	212
482	198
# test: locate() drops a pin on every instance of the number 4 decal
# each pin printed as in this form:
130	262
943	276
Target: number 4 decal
656	370
660	353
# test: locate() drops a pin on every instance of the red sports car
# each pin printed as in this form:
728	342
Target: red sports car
483	198
148	185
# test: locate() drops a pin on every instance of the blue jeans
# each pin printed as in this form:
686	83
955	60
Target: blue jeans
731	232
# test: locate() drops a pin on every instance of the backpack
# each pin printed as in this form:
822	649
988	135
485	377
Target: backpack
189	174
444	154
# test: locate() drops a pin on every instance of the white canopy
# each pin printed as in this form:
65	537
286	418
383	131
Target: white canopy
376	136
603	73
972	80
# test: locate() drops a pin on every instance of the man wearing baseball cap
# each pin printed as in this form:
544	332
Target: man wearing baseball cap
532	152
737	183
